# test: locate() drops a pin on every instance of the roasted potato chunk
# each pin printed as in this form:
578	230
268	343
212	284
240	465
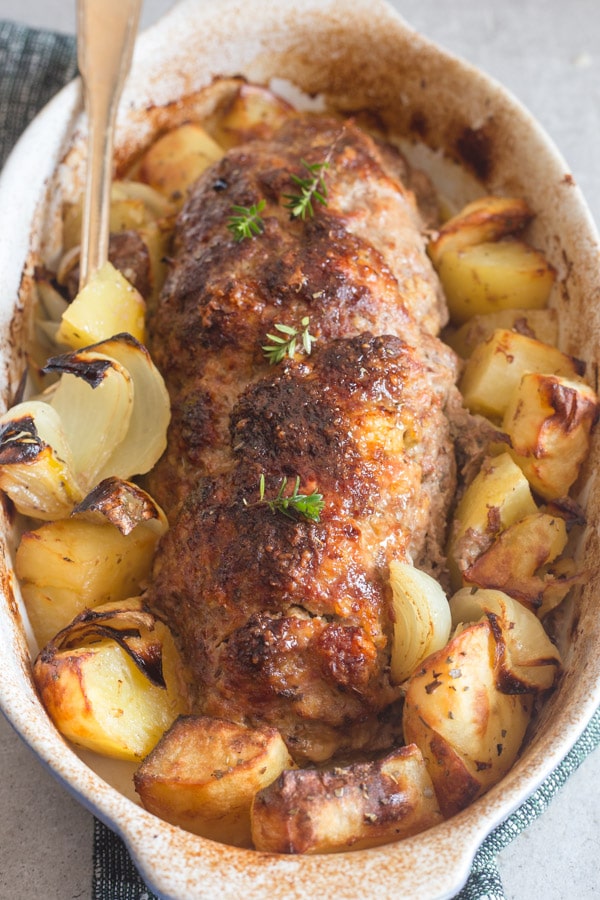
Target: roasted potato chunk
252	112
541	324
72	564
496	367
468	731
107	305
559	577
498	496
110	681
488	277
205	772
485	219
354	807
526	659
549	420
514	562
175	160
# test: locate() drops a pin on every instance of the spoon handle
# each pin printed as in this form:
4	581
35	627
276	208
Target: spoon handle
106	32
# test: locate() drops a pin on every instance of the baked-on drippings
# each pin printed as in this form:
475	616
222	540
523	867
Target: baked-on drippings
280	619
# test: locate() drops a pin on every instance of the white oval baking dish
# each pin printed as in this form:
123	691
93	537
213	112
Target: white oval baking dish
354	55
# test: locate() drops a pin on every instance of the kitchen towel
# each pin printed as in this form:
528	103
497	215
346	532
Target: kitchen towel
34	65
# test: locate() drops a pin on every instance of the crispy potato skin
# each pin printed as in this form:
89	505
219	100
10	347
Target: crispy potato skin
111	681
513	561
204	773
485	219
359	806
468	731
549	420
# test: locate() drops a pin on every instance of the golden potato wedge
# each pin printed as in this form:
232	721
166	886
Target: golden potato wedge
354	807
485	278
498	496
513	562
496	367
549	420
526	659
422	618
205	772
541	324
175	160
107	305
111	680
485	219
102	553
251	112
468	731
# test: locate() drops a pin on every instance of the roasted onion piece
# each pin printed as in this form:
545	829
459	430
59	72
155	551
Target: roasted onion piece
107	415
422	618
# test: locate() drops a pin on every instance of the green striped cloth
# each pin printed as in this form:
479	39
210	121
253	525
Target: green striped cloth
33	66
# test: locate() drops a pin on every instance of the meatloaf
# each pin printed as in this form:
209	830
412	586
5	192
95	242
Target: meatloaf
282	619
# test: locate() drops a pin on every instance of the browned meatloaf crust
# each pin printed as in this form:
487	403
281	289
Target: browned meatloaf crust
280	619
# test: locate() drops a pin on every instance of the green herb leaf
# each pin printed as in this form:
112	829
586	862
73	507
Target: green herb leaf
245	221
312	187
308	505
280	347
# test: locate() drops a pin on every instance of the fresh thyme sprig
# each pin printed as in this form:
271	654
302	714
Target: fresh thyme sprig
308	505
312	188
285	343
246	221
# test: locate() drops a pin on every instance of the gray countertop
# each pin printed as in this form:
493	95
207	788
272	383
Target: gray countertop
547	52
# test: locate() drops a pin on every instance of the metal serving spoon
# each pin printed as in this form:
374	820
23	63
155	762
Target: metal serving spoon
106	31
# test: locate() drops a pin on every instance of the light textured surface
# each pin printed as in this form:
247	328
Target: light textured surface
547	53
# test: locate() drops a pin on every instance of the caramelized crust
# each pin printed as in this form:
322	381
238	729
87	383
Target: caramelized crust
358	265
288	621
280	619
